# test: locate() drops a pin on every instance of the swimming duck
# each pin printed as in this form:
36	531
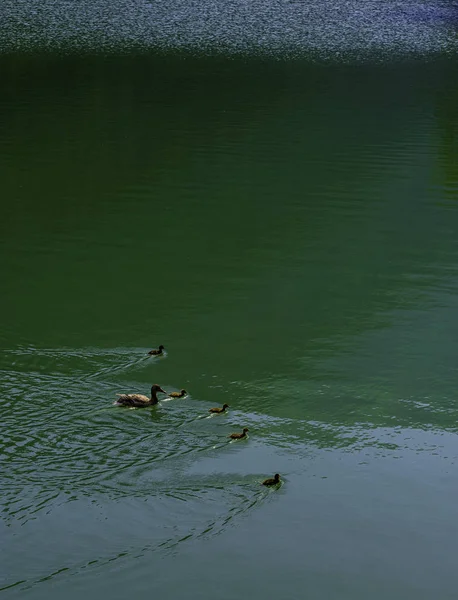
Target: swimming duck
138	399
179	394
275	480
239	436
218	410
157	352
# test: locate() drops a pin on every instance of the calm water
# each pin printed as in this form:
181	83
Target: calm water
289	233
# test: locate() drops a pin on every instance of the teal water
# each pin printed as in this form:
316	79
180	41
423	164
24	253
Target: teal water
288	232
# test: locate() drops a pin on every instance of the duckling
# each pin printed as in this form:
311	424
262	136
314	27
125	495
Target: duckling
157	352
275	480
239	436
179	394
218	410
140	400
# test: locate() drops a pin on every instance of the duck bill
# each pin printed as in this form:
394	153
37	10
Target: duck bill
161	390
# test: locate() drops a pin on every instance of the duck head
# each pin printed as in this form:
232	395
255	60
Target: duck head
225	406
183	392
245	429
161	347
277	478
155	389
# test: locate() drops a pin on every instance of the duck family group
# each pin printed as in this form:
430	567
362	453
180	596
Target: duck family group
140	401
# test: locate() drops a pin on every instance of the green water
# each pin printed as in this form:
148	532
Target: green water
289	233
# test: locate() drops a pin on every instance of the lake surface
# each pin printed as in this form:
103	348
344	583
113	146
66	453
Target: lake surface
288	231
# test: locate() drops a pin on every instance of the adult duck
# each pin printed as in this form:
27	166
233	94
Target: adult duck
217	410
179	394
275	480
239	436
138	399
157	351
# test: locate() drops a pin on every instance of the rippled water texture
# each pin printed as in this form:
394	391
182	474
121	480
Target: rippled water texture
288	232
323	29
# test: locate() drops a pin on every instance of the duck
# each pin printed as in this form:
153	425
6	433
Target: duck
140	400
179	394
157	352
239	436
218	410
275	480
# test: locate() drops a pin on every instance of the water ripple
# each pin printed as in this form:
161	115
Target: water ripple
324	29
242	498
61	435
